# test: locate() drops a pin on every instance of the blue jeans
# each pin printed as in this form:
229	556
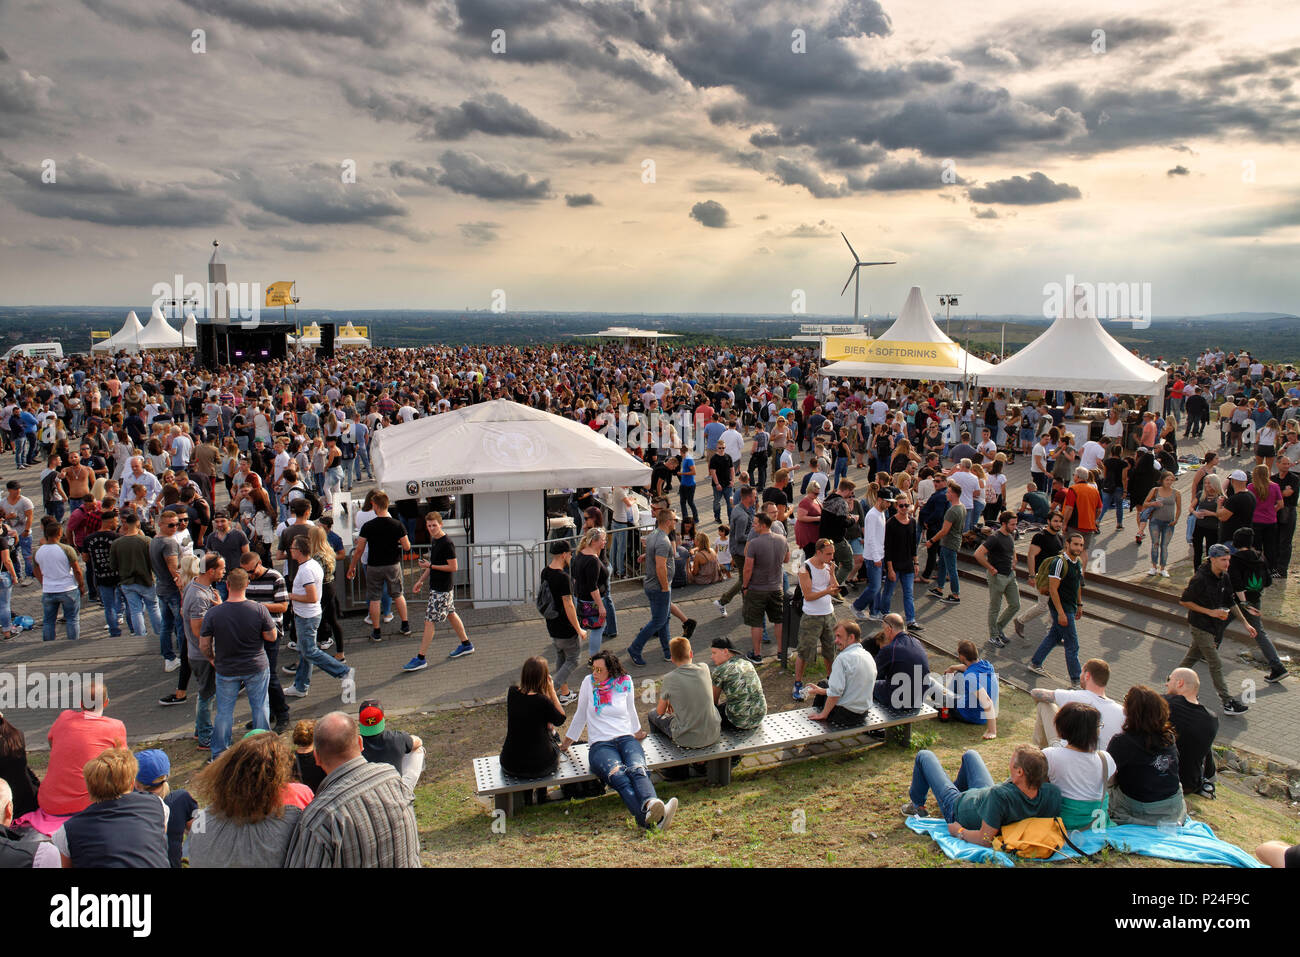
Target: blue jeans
869	600
594	637
221	589
6	592
618	557
309	654
721	495
1060	634
25	547
887	595
620	764
929	776
841	471
56	509
660	606
611	622
227	691
139	599
20	450
947	570
108	597
70	602
1112	499
1161	533
170	608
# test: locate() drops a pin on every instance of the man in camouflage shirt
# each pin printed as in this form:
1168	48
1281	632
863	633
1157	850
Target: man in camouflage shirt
736	681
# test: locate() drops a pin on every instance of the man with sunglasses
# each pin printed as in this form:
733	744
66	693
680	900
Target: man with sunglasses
164	559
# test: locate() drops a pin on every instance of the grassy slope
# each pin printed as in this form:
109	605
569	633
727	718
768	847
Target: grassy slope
849	802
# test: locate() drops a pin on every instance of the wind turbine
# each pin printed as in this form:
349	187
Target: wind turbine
855	274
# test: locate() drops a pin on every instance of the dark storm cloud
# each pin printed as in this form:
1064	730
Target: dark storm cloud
401	169
909	174
1033	190
317	195
792	172
469	174
859	18
494	115
1178	170
580	199
23	93
393	107
376	23
709	213
843	155
87	190
1028	44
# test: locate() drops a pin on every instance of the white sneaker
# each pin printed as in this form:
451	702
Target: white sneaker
654	811
670	810
722	609
388	618
171	664
1164	573
348	685
368	621
292	692
1153	571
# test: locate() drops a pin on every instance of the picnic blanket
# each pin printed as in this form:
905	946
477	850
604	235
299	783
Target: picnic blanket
1194	842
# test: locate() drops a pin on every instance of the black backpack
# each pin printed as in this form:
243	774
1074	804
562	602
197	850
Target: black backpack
545	600
316	507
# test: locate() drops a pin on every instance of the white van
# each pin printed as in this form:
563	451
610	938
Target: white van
51	350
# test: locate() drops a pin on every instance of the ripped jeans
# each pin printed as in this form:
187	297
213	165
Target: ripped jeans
620	763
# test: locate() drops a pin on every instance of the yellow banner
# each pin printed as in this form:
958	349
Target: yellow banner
279	294
938	355
101	335
362	332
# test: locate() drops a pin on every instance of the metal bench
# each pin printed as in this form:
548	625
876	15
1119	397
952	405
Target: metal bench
780	730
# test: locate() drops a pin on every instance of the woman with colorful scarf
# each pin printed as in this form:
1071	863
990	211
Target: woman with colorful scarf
607	710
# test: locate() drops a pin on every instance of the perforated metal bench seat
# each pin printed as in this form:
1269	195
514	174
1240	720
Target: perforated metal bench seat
778	731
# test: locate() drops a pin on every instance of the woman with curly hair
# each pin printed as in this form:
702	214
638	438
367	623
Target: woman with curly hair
1147	786
247	821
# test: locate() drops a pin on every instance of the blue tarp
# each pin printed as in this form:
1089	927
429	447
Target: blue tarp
1194	842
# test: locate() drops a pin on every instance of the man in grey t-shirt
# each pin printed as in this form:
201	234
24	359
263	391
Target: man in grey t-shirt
200	595
686	712
660	563
765	554
164	558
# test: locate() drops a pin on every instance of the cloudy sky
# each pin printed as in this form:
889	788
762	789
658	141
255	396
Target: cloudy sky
629	155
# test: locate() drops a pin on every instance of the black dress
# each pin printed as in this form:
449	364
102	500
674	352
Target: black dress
529	750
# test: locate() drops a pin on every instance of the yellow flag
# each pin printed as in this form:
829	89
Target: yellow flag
101	335
279	294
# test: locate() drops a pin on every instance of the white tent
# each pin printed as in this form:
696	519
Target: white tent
1076	353
498	446
159	334
126	339
350	337
914	329
190	331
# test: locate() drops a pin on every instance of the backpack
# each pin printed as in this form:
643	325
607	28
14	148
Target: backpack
545	600
1034	838
310	495
1043	574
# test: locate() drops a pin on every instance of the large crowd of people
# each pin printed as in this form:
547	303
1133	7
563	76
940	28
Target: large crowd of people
193	504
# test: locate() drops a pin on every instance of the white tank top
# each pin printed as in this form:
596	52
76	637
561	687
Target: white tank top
820	579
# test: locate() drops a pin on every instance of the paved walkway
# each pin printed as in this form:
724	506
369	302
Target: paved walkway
1138	650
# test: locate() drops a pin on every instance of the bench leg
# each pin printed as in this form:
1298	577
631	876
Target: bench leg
505	802
901	735
719	772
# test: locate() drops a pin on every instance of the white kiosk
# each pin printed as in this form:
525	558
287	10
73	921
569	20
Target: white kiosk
506	456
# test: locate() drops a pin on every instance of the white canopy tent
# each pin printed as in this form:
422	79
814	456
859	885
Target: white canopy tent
1076	353
498	446
126	339
348	337
190	332
910	333
159	334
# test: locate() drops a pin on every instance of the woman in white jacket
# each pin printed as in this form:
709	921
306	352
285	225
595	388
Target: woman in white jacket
607	709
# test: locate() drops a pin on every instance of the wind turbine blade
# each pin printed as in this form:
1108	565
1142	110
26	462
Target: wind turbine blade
850	245
853	272
892	263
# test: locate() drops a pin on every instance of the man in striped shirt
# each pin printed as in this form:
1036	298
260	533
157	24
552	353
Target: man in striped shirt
363	814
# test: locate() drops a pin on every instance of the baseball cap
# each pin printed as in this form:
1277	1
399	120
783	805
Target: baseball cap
1238	476
724	643
154	767
1219	551
371	719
